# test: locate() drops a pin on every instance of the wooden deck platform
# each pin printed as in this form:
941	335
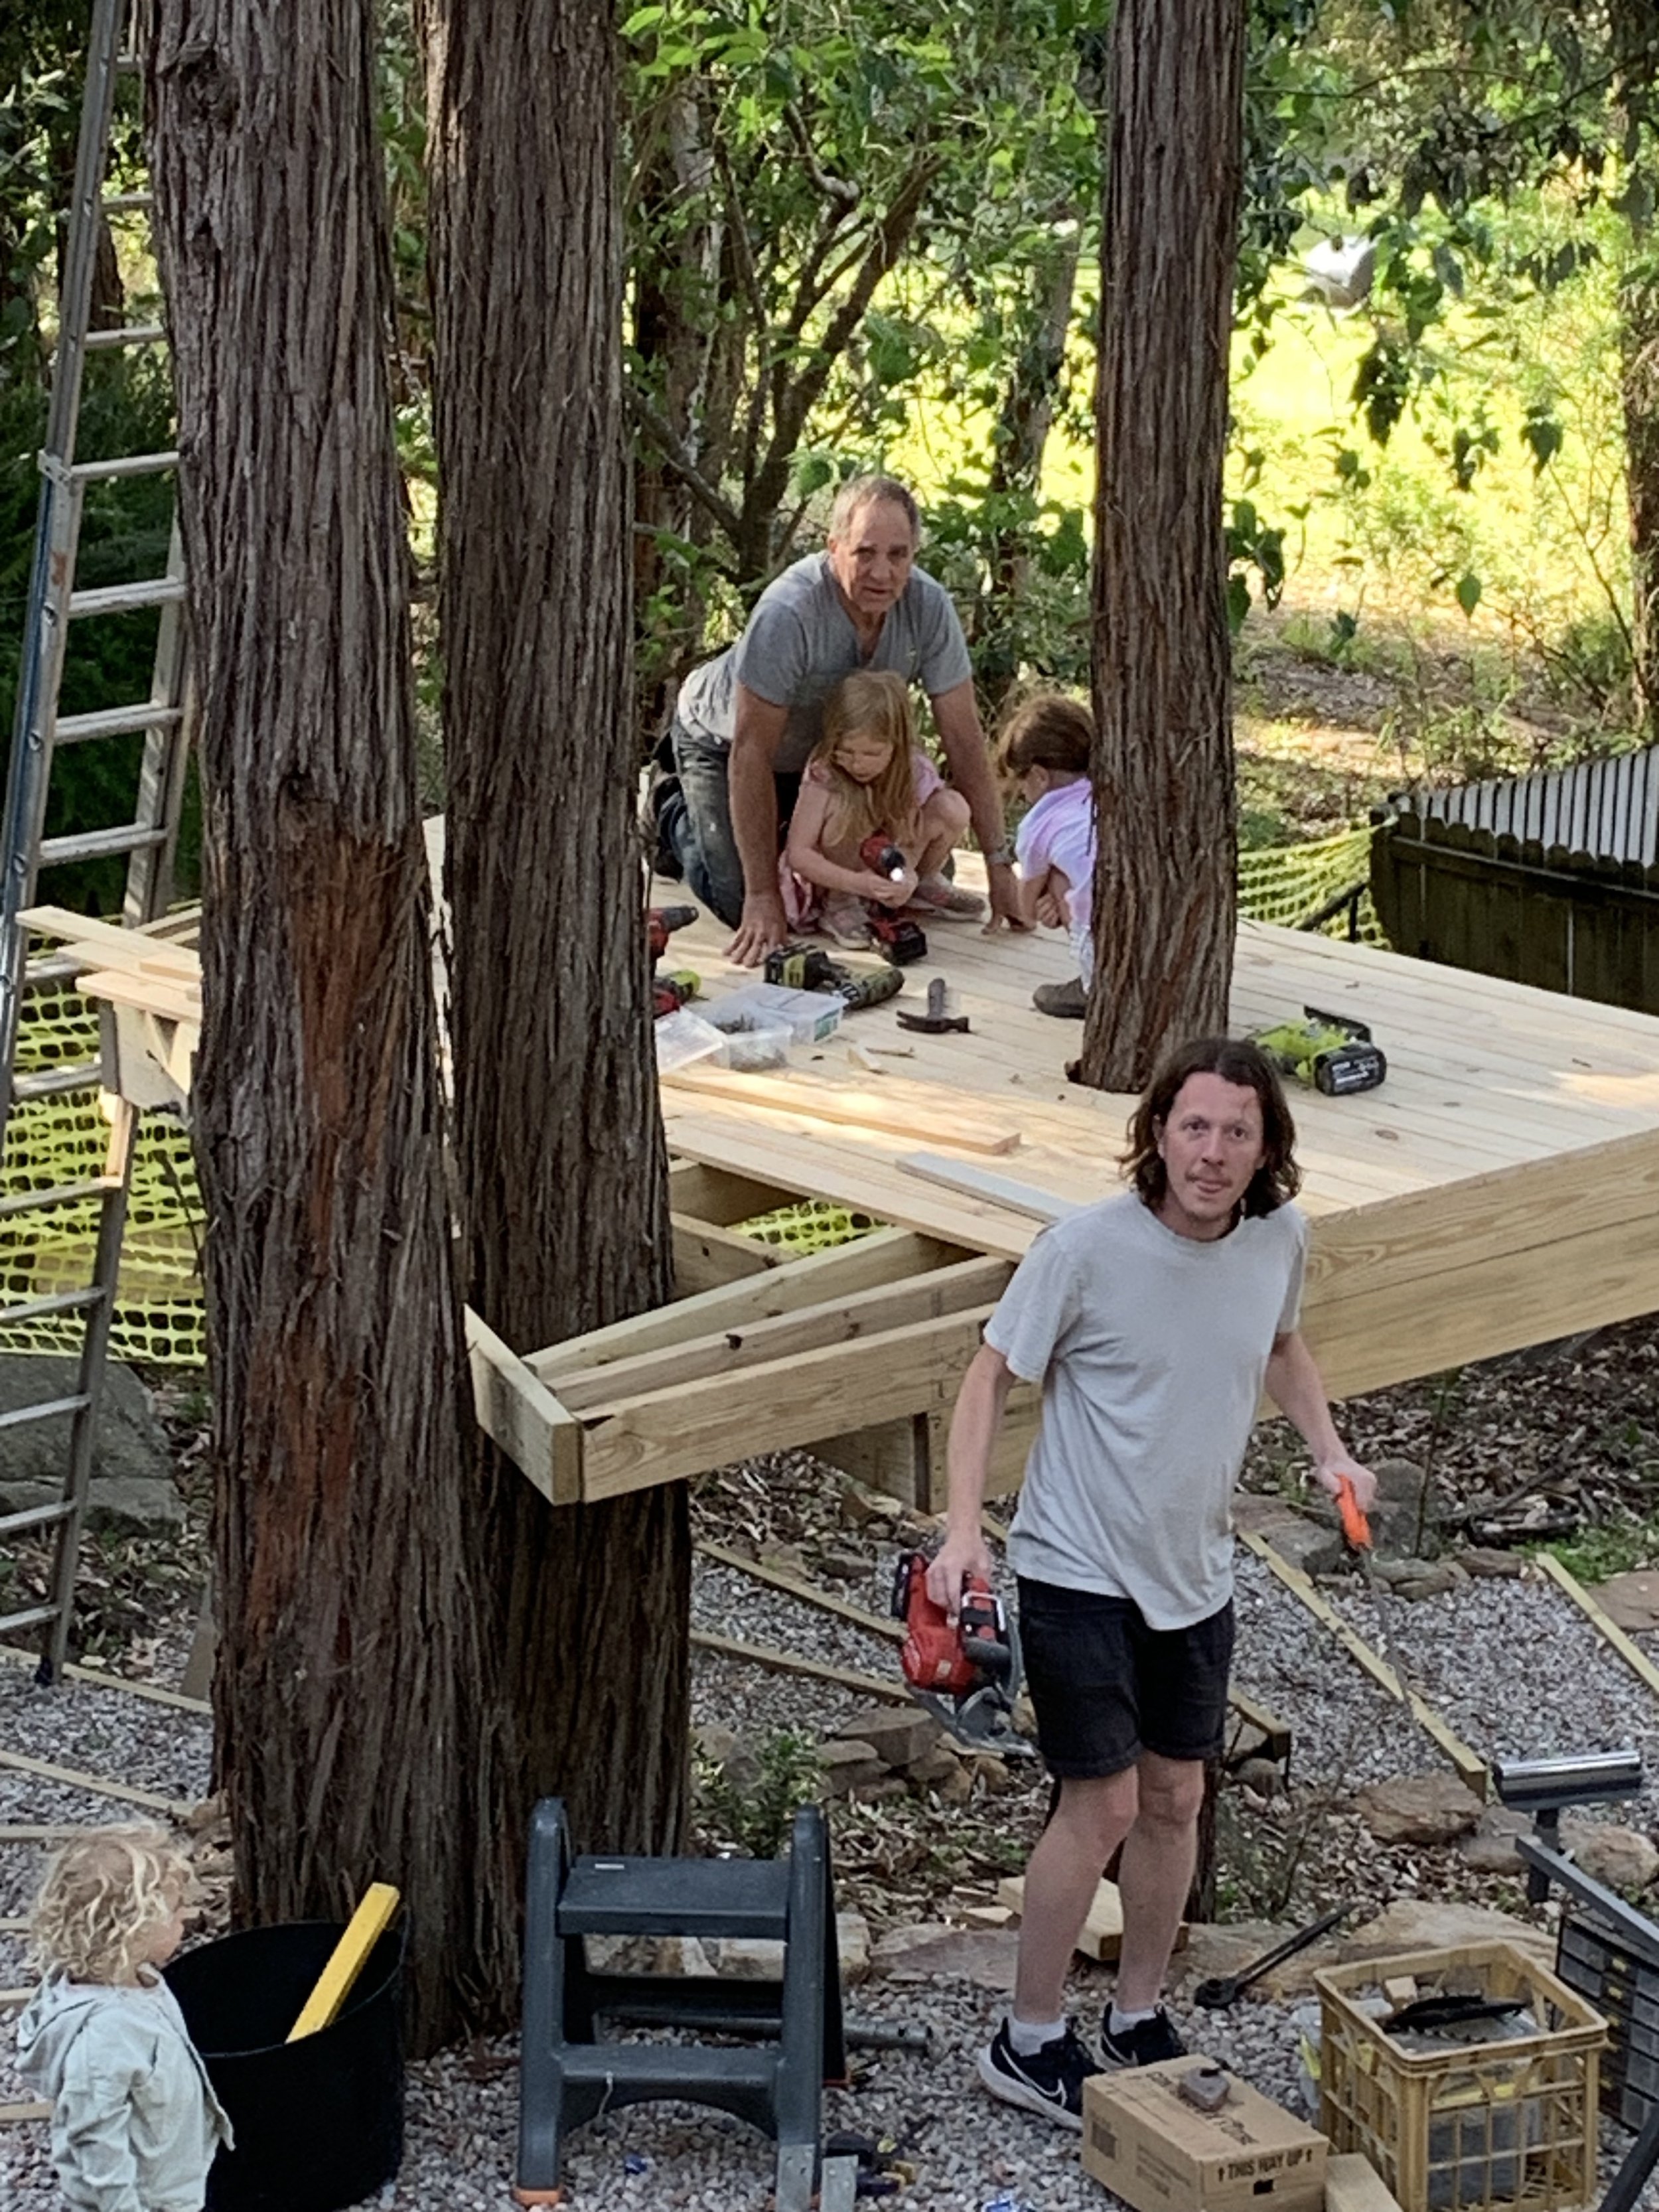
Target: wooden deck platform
1501	1188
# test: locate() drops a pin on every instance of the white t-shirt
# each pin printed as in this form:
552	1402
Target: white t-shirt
1059	832
1151	1349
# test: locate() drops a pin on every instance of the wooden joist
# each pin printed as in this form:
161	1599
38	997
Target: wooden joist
779	1578
521	1414
98	1678
74	1778
860	1315
776	1660
1606	1627
707	1255
814	1279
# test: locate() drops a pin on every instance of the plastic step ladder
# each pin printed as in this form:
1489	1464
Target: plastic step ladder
568	2076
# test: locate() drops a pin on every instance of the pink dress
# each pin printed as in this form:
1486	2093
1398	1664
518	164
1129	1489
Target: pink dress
802	902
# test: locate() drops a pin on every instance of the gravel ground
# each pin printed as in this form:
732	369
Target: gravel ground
1511	1665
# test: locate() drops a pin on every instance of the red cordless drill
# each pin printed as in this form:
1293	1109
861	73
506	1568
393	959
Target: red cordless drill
668	992
899	938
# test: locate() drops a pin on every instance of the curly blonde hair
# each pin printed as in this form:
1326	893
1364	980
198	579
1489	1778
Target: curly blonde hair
102	1895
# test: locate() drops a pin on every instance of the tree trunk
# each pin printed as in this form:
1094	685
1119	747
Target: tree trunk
1164	874
562	1164
1015	480
1635	38
345	1698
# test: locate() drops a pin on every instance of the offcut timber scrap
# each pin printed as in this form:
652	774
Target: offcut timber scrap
1102	1936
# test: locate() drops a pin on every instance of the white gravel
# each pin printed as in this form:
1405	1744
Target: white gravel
1512	1666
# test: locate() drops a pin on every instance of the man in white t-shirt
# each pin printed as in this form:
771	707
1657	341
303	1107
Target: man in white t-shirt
1153	1322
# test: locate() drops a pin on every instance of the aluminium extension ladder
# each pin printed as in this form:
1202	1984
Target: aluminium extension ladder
147	840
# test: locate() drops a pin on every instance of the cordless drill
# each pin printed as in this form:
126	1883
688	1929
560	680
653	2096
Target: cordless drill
899	938
668	992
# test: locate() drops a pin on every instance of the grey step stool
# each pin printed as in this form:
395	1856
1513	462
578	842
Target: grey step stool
567	2077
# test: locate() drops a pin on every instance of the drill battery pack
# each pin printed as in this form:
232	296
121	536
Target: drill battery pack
1331	1054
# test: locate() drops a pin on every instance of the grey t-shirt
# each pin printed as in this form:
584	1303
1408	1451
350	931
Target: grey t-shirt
800	642
1150	1350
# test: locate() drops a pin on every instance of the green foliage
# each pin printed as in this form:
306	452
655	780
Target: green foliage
1608	1548
755	1818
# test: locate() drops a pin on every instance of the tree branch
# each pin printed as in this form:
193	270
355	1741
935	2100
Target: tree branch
838	188
674	457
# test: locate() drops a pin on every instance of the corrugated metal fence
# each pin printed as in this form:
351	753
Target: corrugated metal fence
1551	880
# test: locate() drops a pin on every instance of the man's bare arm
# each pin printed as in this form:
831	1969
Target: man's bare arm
756	735
980	1403
1297	1388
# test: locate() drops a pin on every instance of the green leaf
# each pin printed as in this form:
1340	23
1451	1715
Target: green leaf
1238	603
1468	592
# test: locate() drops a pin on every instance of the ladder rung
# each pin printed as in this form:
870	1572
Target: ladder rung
101	844
115	721
21	1416
34	1516
127	598
54	1082
58	1302
9	1622
61	1193
127	334
129	202
128	464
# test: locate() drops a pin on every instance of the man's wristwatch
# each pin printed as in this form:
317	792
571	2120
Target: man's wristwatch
1000	856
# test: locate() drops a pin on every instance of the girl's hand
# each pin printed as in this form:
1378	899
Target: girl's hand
887	892
1050	911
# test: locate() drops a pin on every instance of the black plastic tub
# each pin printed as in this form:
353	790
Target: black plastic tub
320	2122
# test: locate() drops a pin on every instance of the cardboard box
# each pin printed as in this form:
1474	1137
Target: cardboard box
1159	2152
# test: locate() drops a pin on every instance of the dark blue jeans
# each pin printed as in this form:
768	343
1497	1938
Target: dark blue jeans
698	825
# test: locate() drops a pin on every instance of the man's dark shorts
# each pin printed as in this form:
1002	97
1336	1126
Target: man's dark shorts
1107	1687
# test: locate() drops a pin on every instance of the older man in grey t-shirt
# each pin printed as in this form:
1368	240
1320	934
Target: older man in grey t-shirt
747	721
1153	1322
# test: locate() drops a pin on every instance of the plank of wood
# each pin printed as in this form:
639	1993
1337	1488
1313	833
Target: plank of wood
13	2116
809	1593
43	1832
152	1693
776	1660
1102	1936
885	1255
601	1391
173	1001
1255	1715
74	1778
980	1183
1470	1764
13	2000
110	943
1606	1627
1352	2184
1367	1339
857	1176
706	1256
519	1412
896	1104
666	1434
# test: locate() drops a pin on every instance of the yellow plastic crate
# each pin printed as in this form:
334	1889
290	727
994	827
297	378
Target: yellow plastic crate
1471	2126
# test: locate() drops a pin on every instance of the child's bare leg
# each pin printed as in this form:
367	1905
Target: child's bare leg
945	819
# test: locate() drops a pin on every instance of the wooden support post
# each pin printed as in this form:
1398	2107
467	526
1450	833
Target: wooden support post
521	1414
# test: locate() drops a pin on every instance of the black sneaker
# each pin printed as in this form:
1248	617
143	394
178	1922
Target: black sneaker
1048	2080
1145	2043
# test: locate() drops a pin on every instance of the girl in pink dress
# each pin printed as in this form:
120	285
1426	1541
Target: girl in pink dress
866	778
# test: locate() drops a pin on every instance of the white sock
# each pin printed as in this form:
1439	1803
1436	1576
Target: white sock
1026	2037
1120	2021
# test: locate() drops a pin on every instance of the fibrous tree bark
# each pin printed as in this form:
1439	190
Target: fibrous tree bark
1164	874
1634	34
561	1165
348	1667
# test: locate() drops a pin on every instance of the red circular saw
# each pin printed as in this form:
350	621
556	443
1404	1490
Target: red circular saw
967	1673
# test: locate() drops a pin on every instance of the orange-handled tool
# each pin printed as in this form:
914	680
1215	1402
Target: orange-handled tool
1356	1529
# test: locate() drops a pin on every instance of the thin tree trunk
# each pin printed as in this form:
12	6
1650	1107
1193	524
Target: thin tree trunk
561	1158
1635	38
344	1538
1164	879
